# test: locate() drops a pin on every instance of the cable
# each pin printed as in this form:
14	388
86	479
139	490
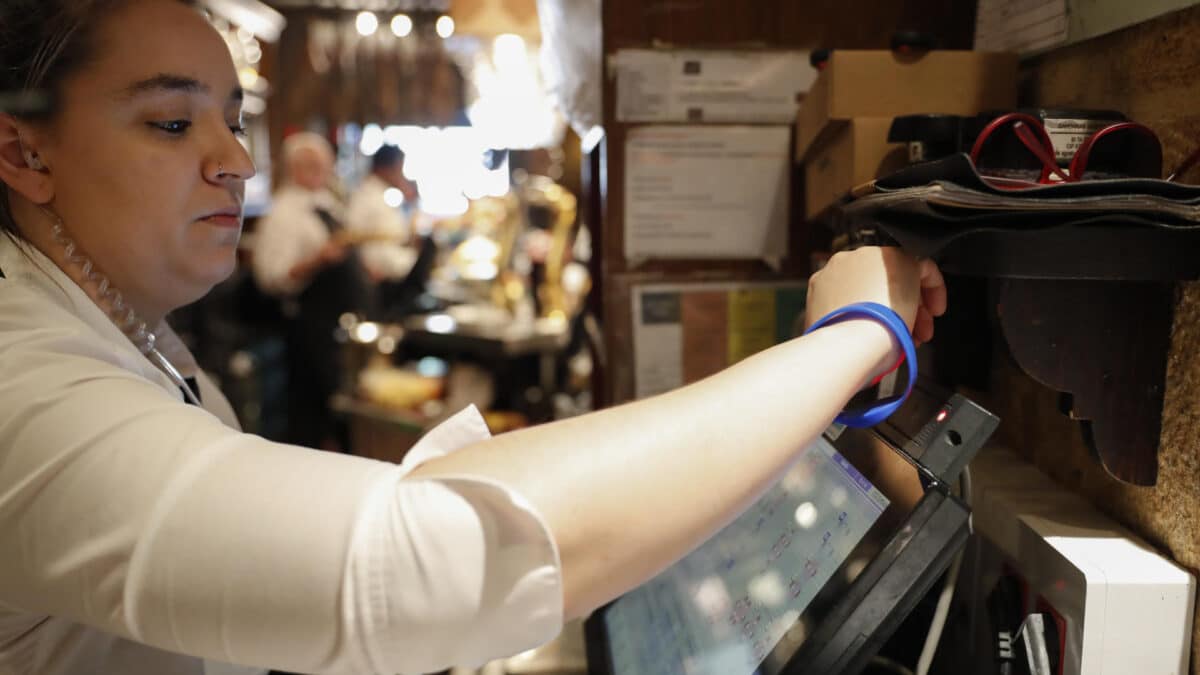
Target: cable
939	618
888	664
942	611
156	357
113	304
1186	164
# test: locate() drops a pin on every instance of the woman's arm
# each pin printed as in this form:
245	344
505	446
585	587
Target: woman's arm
629	490
123	509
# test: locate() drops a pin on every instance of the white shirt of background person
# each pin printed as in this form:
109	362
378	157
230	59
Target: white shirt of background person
374	210
290	233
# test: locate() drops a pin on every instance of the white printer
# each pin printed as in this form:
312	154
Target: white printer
1111	604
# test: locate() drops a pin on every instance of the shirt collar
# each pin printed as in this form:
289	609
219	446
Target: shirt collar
25	264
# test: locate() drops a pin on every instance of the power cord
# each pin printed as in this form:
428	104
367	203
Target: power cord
942	611
890	665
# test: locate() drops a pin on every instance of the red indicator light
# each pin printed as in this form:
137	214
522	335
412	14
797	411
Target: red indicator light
941	416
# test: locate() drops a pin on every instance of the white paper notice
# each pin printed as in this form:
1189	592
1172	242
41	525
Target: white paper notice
657	342
700	86
685	332
706	192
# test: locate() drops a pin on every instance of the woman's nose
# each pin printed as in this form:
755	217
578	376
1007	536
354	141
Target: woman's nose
230	161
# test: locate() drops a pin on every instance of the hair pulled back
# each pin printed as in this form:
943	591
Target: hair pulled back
42	43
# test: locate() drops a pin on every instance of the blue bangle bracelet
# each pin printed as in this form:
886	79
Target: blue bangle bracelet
882	409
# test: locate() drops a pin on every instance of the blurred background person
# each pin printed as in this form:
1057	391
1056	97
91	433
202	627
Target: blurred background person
377	213
303	256
397	259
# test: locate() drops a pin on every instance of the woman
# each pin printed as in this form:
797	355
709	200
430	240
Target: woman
139	532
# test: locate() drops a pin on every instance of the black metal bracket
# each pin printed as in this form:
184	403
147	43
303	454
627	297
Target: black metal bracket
1104	345
1087	311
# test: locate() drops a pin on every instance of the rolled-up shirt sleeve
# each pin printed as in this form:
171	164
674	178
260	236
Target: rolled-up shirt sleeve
149	519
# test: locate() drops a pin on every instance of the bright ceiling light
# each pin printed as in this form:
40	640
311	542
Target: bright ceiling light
445	26
402	25
366	23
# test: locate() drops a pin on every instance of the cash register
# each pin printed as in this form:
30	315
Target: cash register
817	574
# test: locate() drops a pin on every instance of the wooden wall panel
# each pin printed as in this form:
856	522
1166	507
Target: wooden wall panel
351	79
848	24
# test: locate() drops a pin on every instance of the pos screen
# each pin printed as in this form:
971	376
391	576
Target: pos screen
815	575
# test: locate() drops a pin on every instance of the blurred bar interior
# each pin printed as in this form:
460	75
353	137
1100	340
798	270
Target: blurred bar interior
493	310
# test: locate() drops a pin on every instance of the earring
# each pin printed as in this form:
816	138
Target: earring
33	161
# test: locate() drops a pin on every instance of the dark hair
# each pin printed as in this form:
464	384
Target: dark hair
43	42
387	157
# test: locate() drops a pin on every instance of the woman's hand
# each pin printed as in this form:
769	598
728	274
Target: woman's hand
913	288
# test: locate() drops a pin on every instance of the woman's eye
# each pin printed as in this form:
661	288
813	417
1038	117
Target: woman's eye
237	129
173	127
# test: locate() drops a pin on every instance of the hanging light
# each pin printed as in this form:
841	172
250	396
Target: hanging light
445	26
366	23
402	25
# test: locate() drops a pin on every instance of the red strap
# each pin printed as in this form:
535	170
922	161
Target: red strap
887	372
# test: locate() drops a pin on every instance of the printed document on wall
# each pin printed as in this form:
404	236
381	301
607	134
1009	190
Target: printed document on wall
684	332
707	192
655	85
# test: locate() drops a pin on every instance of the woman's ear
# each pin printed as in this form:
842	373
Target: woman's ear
21	167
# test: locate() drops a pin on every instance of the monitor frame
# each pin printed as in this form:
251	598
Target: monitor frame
937	432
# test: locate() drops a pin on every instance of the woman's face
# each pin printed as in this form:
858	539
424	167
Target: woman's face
148	172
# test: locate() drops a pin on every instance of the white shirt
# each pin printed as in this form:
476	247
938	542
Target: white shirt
369	212
291	232
136	529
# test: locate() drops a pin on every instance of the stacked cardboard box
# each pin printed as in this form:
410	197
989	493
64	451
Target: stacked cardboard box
842	126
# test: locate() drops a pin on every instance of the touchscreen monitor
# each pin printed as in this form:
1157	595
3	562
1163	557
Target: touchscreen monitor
745	600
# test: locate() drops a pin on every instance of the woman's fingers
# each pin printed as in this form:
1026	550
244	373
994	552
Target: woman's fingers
923	326
933	288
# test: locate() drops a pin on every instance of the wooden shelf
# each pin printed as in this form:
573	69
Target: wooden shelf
1086	308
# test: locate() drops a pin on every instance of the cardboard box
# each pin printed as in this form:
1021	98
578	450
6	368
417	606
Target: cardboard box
886	84
851	153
